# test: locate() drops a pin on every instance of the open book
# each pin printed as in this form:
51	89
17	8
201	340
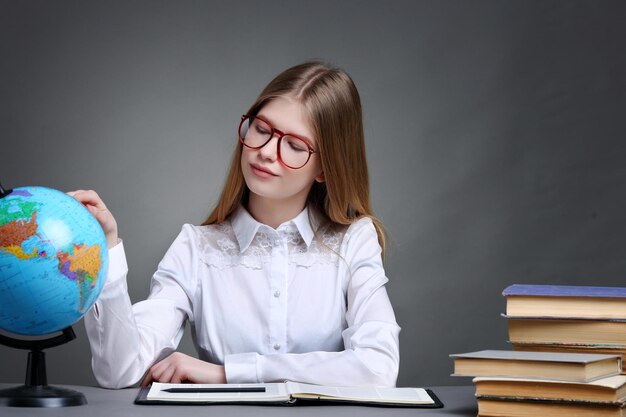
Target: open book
284	393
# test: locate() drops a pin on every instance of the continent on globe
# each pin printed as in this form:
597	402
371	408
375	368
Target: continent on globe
81	266
20	226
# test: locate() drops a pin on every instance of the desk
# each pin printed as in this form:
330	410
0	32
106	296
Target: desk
458	401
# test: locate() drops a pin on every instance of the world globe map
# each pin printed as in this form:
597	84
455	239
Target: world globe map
53	261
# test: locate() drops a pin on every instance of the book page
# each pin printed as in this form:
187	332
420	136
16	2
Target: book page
273	392
365	394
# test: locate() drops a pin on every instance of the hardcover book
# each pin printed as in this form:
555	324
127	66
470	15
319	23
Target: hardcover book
609	390
565	301
567	331
578	348
504	407
579	367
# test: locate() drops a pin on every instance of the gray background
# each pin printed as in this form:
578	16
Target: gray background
494	132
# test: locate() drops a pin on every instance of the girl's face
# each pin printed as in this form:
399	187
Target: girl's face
265	176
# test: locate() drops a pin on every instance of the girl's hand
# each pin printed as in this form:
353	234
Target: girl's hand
96	206
178	368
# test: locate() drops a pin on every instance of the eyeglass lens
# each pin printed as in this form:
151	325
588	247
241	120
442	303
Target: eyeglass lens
255	133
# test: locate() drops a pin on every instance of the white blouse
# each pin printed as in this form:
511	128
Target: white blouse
269	304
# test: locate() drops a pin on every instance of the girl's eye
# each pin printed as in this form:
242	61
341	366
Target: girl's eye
262	130
297	145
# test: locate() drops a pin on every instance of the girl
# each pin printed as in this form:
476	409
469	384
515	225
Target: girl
284	280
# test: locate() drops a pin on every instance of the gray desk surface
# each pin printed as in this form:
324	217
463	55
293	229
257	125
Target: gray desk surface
458	401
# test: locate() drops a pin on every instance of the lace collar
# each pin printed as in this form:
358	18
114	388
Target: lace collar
246	227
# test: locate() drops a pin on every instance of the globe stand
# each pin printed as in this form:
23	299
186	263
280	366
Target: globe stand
36	392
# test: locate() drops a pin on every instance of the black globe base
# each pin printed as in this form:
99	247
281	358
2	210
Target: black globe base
36	392
41	396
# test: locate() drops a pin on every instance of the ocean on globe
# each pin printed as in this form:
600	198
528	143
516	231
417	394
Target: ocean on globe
53	261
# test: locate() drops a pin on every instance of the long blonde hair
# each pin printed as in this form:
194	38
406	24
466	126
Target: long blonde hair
333	107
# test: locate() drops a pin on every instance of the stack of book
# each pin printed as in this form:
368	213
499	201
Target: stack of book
529	384
556	318
568	345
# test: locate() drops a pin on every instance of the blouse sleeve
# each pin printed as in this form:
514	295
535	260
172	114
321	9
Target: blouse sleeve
127	339
371	355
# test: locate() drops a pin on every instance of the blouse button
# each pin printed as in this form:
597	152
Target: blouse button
276	293
276	346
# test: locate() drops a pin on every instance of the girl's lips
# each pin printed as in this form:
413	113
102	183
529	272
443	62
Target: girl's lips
262	172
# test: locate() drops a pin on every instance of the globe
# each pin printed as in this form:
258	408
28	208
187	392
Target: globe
53	261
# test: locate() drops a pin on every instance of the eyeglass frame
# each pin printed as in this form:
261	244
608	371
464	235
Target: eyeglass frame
273	132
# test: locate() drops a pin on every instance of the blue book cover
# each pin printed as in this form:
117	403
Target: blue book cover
564	291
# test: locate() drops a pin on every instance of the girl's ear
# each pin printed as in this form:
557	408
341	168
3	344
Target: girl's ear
320	177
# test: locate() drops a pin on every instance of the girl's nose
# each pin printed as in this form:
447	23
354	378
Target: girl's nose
270	150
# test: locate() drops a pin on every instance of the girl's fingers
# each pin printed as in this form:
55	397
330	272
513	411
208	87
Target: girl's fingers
177	378
147	380
89	197
150	378
157	372
167	374
152	375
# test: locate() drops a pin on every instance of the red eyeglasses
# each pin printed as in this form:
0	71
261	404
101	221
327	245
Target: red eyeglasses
293	151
